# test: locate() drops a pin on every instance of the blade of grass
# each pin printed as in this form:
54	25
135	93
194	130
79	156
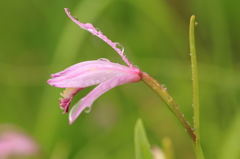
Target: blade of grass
142	146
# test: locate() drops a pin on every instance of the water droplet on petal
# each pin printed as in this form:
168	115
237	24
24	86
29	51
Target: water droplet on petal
91	30
87	109
89	27
75	18
98	31
136	66
164	86
73	110
103	59
119	46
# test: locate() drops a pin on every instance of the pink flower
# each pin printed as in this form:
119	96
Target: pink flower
14	143
102	72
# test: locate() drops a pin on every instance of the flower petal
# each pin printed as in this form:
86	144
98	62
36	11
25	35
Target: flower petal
89	27
98	91
16	144
67	95
89	73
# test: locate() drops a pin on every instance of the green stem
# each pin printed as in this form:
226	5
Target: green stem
197	145
194	77
172	105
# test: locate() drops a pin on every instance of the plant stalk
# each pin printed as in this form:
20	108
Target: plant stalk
166	97
195	105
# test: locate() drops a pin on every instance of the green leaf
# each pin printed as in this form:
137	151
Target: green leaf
142	146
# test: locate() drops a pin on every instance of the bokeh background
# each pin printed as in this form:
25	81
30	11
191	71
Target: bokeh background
38	39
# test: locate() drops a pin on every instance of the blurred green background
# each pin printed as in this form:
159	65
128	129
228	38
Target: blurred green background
38	39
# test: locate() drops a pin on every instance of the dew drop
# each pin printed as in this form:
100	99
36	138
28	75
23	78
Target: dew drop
185	130
170	98
87	109
193	129
119	46
136	66
164	86
103	59
99	32
91	30
72	115
89	27
182	115
176	105
75	17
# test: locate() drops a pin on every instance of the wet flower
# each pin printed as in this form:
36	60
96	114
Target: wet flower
102	72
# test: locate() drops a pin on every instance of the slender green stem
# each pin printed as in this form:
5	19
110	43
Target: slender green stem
194	77
172	105
195	87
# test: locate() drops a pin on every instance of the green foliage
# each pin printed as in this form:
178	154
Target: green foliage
142	146
37	39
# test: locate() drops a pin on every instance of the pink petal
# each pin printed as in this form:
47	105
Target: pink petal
14	143
89	73
89	27
67	95
98	91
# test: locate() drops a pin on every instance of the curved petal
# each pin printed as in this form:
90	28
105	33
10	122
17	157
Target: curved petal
98	91
67	95
89	27
89	73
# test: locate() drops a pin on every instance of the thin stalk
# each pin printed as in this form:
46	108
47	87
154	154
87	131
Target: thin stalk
172	105
195	87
